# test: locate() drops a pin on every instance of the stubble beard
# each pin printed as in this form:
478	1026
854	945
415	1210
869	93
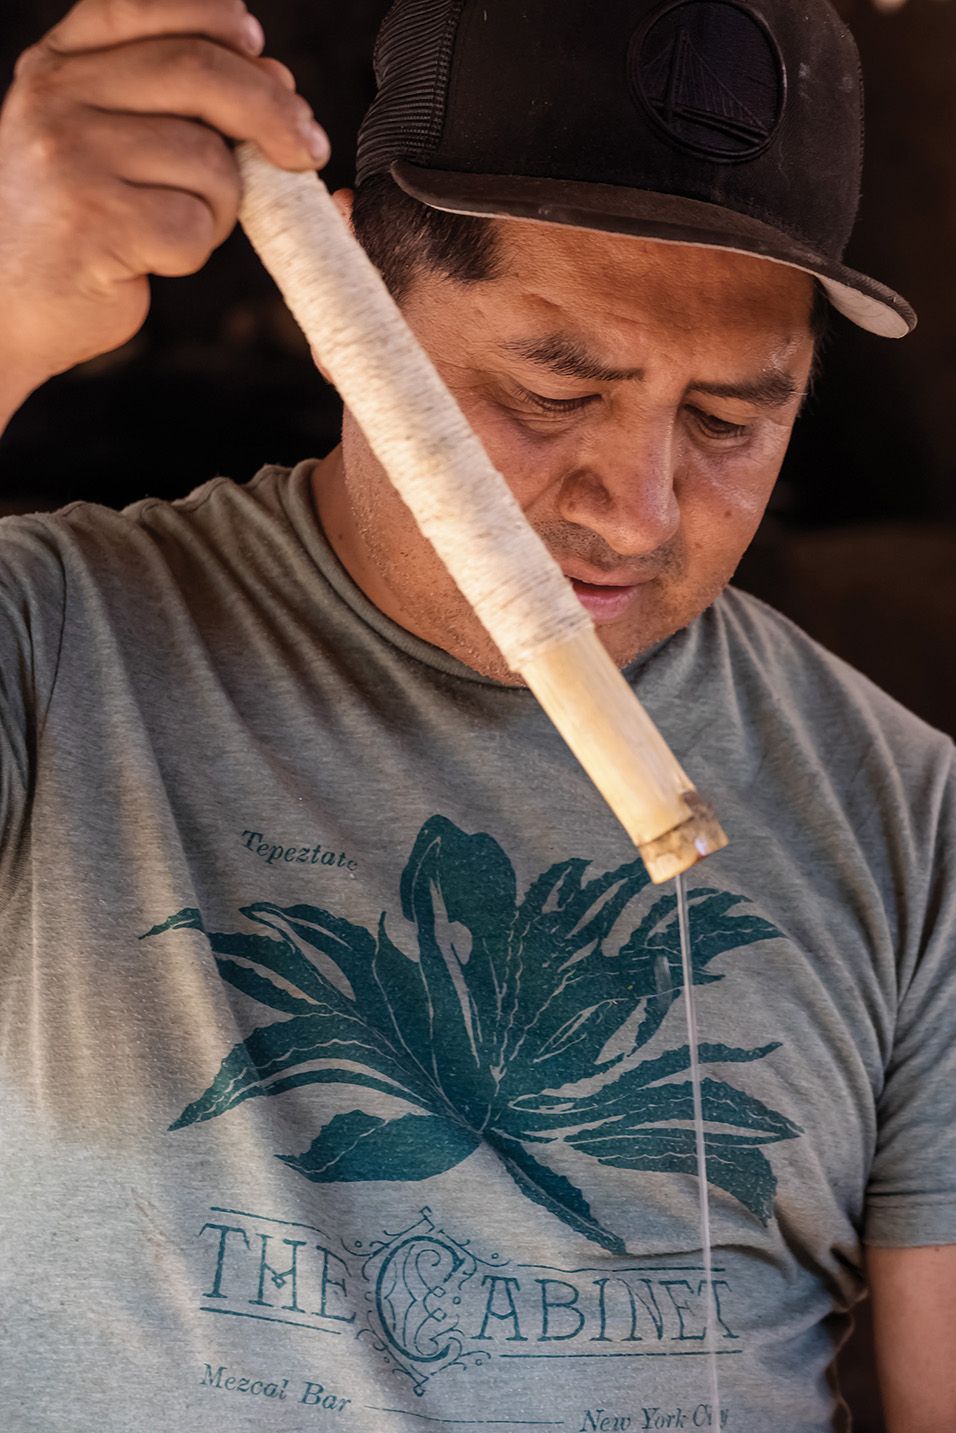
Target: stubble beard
439	614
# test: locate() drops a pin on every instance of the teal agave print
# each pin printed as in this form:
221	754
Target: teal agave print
517	1026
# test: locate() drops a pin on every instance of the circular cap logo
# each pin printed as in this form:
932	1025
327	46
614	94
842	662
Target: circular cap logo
710	75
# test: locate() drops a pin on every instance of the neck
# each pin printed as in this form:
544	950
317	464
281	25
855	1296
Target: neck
458	633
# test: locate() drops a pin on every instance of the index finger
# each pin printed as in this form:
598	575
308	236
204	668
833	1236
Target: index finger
100	24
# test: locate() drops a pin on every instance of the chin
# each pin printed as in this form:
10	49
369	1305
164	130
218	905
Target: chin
623	653
627	644
623	641
491	664
621	648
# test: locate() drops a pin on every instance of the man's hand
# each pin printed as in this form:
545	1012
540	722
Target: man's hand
114	165
914	1324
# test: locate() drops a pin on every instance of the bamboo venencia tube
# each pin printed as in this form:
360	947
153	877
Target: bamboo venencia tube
466	510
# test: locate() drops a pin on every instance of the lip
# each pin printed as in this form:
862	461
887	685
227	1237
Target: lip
603	579
605	601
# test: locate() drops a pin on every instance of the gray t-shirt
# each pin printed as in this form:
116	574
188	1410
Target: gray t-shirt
343	1072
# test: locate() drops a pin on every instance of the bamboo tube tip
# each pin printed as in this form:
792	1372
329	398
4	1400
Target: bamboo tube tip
686	844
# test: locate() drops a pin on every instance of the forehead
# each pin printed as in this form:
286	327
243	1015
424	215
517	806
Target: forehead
616	283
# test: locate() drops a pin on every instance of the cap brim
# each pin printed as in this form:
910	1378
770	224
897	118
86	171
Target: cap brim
667	218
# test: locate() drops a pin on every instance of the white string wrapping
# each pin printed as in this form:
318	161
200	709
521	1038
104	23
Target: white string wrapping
413	425
466	510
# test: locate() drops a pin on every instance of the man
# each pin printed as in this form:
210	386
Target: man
345	1081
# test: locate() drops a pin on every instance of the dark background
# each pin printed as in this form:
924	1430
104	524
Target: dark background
860	543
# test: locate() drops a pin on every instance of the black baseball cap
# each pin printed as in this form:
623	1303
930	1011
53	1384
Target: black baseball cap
732	124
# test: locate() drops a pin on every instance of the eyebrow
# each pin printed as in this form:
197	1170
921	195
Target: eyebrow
771	390
563	355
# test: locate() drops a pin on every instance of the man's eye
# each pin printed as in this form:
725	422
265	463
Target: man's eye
556	405
717	427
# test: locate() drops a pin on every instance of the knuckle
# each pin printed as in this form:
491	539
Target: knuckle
185	222
200	58
44	149
220	171
209	154
195	141
38	71
28	62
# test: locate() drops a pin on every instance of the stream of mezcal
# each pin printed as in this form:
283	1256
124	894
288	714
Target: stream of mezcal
690	1010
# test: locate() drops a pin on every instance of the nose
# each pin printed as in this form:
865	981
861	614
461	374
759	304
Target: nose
627	497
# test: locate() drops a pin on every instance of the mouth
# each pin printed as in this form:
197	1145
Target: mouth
606	601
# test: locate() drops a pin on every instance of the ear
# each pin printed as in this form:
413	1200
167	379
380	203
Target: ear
342	199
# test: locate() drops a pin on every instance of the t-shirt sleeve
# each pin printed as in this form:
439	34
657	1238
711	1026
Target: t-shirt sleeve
911	1197
31	623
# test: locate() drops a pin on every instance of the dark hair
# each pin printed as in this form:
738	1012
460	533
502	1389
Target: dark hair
402	237
820	315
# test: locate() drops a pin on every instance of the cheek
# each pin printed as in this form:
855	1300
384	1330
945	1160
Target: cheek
732	486
721	509
530	462
723	495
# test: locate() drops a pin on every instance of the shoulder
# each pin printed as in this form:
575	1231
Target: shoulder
800	708
89	525
86	546
777	662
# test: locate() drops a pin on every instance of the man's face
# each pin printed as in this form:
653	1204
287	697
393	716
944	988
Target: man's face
638	397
